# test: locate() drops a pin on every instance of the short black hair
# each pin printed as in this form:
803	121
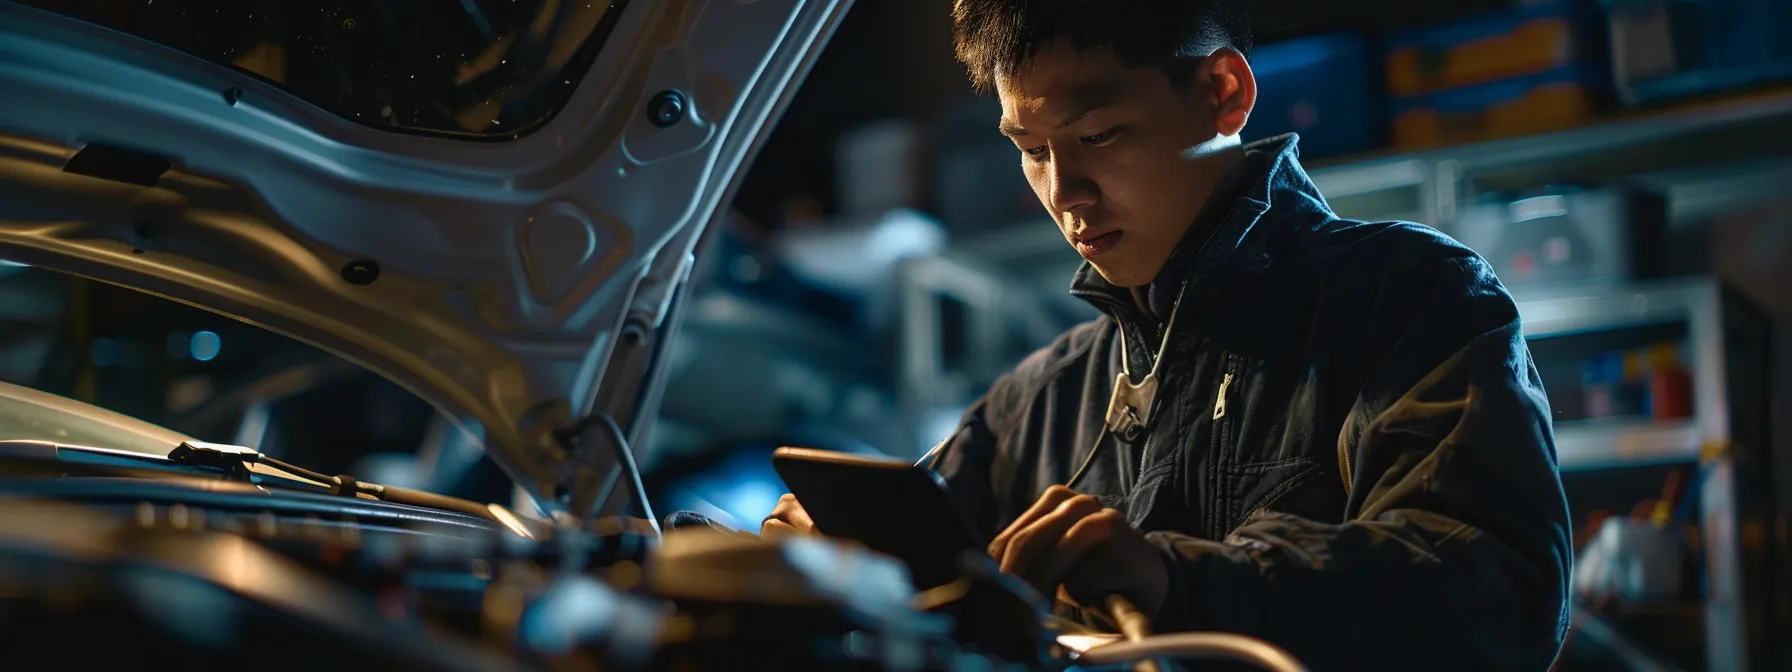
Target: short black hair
993	37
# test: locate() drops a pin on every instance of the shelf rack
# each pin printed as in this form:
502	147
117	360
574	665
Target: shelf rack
1727	340
1702	153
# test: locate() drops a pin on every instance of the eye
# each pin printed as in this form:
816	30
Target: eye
1101	138
1035	152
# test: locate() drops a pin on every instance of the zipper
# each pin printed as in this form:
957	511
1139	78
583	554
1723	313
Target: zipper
1219	401
1218	441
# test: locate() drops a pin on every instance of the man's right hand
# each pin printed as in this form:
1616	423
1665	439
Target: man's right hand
787	518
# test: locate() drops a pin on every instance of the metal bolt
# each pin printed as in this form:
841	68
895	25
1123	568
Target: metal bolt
362	272
666	109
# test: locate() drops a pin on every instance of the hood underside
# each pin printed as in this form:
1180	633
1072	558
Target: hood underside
518	282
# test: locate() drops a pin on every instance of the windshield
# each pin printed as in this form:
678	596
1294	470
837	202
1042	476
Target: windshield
479	68
27	414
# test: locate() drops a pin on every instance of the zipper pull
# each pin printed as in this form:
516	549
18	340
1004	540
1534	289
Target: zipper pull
1219	402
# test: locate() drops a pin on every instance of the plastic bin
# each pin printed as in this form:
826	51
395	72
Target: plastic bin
1315	86
1526	39
1550	101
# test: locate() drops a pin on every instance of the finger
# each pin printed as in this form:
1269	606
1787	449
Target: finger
800	518
1076	544
1049	500
790	512
1025	546
776	529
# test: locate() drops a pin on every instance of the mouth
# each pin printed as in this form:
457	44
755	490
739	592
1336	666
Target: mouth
1094	243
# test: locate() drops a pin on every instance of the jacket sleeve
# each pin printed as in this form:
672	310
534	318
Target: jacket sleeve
965	460
1454	549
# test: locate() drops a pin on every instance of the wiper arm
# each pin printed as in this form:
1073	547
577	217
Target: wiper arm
235	460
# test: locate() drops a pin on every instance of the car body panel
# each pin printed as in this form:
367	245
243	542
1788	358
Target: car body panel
492	278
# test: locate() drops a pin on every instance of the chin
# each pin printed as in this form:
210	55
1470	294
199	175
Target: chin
1121	275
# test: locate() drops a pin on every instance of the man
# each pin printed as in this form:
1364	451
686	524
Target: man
1322	432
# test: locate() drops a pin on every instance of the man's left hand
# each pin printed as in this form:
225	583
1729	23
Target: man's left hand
1068	540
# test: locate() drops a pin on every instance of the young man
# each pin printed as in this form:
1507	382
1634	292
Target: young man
1322	432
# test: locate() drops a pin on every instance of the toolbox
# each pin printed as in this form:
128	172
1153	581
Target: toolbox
1665	49
1569	234
1554	100
1526	39
1314	86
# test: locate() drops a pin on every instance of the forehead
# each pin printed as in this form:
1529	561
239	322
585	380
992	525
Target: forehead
1057	77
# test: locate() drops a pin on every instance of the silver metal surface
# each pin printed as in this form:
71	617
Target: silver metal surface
1698	303
1591	445
1726	608
506	267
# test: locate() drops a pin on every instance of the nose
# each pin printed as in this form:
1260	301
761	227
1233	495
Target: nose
1069	187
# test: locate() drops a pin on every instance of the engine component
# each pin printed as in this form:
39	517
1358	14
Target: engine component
71	577
799	603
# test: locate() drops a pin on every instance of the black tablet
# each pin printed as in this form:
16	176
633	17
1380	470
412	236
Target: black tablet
892	507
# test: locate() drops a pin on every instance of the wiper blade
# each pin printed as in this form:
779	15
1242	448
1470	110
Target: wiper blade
236	460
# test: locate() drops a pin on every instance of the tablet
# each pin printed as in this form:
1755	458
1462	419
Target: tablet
892	507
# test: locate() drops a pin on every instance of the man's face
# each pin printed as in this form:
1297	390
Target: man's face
1119	156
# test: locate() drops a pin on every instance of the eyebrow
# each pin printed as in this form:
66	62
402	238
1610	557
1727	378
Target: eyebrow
1085	99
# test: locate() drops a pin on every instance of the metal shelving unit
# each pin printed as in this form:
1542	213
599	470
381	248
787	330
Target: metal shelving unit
1695	152
1726	436
1591	444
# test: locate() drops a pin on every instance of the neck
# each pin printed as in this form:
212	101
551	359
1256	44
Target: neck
1139	300
1221	162
1218	166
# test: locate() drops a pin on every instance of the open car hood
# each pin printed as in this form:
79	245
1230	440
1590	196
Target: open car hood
517	280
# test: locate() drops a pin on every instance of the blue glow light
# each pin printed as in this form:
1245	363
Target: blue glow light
204	346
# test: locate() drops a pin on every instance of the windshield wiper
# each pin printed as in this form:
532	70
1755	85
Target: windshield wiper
235	461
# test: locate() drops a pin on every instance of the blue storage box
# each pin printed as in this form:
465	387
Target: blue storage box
1525	39
1322	87
1664	49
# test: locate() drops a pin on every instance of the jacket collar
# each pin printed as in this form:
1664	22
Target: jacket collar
1227	242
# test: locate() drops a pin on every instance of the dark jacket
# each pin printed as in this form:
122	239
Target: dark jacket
1350	455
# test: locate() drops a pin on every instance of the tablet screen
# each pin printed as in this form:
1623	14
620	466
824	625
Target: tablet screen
892	507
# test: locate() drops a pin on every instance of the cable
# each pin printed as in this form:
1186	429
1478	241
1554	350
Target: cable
1089	459
1195	645
625	458
1134	624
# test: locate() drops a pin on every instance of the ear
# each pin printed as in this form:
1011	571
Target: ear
1234	90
